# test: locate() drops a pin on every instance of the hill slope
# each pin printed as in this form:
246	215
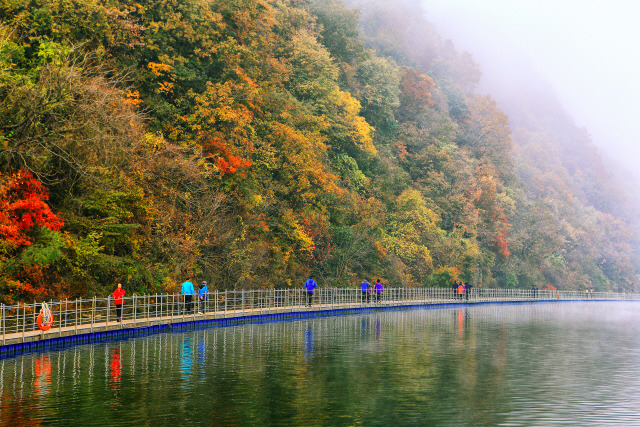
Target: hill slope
251	143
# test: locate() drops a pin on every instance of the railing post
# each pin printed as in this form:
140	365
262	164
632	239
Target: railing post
3	324
135	308
93	312
60	318
24	319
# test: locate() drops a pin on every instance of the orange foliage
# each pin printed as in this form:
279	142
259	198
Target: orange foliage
219	154
35	282
501	235
402	150
322	248
415	93
22	206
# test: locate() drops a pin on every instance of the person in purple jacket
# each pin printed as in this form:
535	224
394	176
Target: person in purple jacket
378	289
309	286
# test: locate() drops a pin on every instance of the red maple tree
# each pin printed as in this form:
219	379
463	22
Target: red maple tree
23	206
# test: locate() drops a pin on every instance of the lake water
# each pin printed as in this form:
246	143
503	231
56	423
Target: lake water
512	365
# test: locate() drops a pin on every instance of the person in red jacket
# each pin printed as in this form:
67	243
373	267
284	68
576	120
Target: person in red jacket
118	296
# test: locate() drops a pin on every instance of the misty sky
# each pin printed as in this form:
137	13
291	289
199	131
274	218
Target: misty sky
588	50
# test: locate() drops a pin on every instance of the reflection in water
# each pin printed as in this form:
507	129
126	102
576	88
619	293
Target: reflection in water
42	383
115	369
488	365
202	359
115	375
186	361
308	341
460	324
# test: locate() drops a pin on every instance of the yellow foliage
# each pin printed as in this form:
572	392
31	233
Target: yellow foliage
154	141
133	98
222	116
160	69
163	70
360	130
296	232
165	87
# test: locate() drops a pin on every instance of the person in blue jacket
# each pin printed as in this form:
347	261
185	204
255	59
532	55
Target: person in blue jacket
309	286
188	292
203	296
365	290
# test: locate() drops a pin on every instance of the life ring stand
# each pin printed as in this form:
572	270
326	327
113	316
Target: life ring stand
45	315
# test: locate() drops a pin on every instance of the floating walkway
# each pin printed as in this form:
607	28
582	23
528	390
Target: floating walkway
88	321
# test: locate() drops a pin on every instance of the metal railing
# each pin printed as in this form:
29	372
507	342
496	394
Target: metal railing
87	313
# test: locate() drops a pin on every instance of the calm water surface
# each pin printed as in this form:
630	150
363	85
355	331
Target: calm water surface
513	365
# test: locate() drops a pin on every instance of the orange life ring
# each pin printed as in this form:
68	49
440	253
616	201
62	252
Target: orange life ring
43	326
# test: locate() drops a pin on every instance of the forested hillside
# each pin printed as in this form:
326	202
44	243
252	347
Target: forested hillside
251	143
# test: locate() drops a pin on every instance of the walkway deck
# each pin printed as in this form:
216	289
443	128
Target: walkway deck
99	328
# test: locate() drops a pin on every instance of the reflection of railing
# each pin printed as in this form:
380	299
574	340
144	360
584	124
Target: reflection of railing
86	313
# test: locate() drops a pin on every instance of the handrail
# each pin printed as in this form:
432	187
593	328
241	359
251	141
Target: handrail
21	318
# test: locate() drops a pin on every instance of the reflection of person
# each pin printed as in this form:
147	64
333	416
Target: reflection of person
308	341
365	290
118	299
203	296
188	291
116	369
378	289
310	285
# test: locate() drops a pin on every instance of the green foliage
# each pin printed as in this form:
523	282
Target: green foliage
350	173
46	251
378	91
443	277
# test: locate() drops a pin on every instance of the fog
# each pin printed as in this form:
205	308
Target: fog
586	50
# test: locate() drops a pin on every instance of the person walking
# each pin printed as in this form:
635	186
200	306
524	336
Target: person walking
118	299
365	290
204	290
188	292
467	290
460	290
379	289
309	286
